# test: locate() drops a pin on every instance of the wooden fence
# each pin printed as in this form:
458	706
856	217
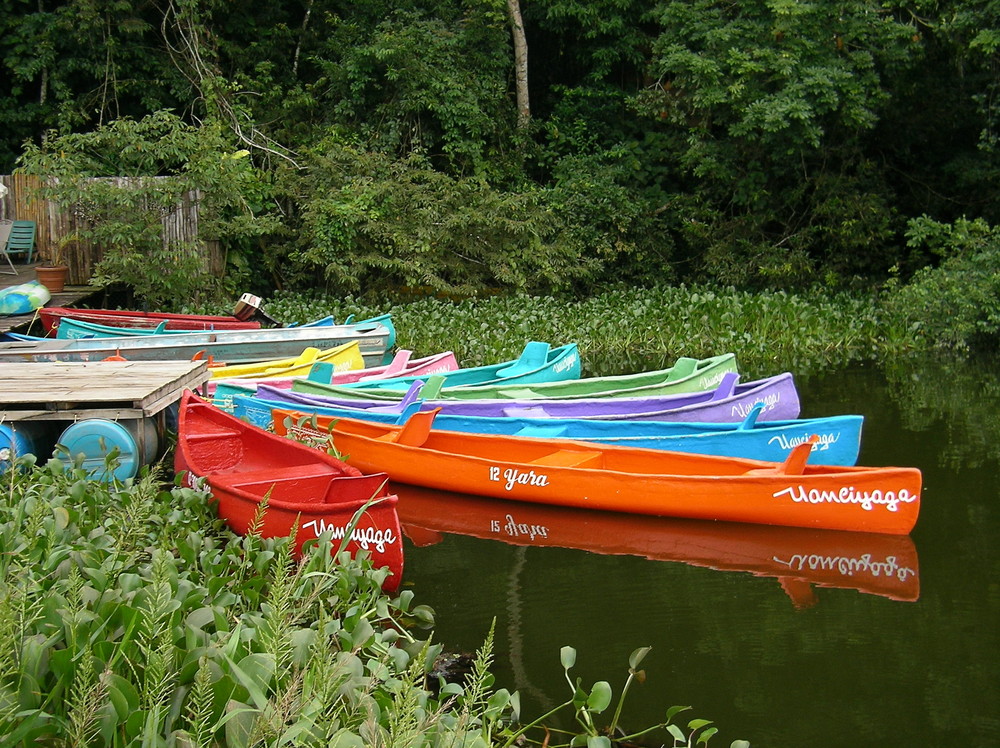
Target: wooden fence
55	223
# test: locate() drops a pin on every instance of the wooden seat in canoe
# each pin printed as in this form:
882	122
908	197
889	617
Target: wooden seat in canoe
570	458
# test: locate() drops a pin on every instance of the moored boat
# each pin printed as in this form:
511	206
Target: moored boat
224	346
838	437
730	402
52	315
225	388
686	375
800	558
346	357
641	481
305	489
538	362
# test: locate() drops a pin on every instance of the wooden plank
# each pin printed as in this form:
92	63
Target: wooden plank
145	387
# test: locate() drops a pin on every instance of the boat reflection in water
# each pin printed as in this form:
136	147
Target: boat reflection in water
872	563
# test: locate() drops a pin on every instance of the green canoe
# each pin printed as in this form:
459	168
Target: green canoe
686	375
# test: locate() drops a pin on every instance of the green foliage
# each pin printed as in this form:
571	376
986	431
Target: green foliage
125	179
436	85
129	616
638	328
768	105
373	222
956	304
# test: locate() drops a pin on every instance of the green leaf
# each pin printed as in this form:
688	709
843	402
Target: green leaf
600	697
598	741
675	710
704	737
677	732
638	656
567	656
697	724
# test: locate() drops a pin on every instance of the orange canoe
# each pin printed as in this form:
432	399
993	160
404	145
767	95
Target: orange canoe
872	563
623	479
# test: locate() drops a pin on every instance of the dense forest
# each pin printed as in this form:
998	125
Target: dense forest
540	145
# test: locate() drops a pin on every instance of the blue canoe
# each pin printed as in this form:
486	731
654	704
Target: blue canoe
839	436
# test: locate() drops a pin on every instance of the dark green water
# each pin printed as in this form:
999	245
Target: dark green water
906	656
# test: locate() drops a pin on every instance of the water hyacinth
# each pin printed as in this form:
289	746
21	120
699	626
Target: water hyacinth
626	328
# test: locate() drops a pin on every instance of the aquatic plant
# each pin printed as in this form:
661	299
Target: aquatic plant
627	329
130	616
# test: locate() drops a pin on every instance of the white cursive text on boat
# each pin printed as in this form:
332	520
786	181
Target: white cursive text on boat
849	495
513	476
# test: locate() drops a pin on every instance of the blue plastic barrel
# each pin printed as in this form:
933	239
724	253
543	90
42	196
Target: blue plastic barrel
136	440
20	439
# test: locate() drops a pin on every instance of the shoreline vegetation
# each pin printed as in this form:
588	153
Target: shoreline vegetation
649	328
131	616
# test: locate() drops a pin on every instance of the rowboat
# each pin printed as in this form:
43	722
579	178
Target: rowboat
346	357
52	315
538	362
306	489
838	437
225	388
727	403
871	563
624	479
72	327
686	375
228	346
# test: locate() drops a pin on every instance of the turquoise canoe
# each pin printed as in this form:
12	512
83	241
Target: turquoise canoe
71	328
839	437
686	375
538	362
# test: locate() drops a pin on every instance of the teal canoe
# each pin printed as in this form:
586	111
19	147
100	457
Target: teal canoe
538	362
71	328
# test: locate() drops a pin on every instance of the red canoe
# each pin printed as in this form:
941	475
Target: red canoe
872	563
242	464
51	315
562	472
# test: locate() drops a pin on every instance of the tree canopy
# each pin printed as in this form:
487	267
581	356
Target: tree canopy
763	144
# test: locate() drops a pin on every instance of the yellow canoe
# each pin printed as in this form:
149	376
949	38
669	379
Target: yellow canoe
345	357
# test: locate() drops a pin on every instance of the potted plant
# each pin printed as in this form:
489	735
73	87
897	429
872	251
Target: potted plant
52	272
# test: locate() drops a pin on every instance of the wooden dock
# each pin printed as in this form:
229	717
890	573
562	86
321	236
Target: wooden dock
115	390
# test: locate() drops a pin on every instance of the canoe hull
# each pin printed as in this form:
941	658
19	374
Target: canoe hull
839	436
687	375
777	396
51	317
539	362
240	465
232	346
621	479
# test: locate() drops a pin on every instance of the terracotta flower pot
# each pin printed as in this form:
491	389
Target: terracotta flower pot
52	277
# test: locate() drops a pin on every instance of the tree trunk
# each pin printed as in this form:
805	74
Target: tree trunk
520	63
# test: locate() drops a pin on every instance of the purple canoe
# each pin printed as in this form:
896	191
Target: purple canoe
729	402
